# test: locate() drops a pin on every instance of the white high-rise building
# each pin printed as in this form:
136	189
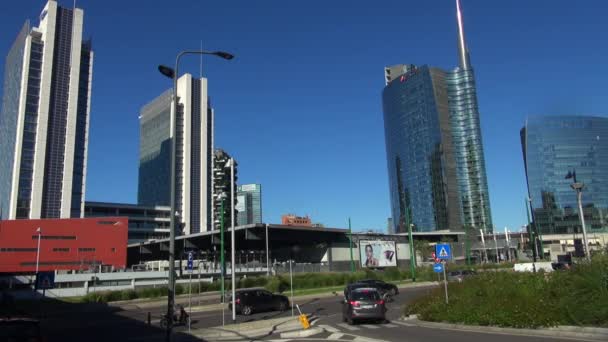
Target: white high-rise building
194	158
44	120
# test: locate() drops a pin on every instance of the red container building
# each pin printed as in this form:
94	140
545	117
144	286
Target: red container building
65	244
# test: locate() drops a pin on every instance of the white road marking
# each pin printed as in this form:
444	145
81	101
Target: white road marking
369	326
335	336
391	325
403	324
329	328
347	327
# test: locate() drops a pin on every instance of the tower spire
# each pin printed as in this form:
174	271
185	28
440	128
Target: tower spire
463	51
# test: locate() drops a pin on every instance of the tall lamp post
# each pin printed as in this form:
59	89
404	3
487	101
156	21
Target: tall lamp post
174	74
350	243
39	232
578	187
412	252
232	238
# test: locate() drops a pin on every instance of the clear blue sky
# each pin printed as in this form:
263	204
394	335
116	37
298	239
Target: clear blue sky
300	105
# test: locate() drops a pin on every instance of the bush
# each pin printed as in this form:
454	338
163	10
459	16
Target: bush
128	295
277	284
523	300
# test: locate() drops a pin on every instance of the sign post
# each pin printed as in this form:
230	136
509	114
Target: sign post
190	267
443	252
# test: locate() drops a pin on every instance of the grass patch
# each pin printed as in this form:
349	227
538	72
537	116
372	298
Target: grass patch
524	300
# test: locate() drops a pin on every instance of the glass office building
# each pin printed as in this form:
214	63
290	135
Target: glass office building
436	167
44	120
249	204
194	160
420	158
553	146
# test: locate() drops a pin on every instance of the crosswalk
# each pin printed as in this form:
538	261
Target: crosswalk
345	327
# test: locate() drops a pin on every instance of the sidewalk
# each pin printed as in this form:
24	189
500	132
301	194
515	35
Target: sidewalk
249	330
570	332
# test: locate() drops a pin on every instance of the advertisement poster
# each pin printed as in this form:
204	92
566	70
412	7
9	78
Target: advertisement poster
377	253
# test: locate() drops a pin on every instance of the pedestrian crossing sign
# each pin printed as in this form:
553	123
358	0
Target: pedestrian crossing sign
443	251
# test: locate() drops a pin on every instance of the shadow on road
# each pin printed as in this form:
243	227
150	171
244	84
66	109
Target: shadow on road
62	321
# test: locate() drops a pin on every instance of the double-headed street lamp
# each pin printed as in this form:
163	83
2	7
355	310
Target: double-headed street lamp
174	74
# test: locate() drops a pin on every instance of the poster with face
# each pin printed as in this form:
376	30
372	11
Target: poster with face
377	253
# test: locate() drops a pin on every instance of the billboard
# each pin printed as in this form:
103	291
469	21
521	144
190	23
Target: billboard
377	253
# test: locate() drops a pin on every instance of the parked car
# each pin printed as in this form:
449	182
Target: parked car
382	286
460	276
20	329
258	300
363	304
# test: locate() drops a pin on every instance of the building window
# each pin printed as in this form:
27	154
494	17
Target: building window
61	249
10	249
54	237
86	249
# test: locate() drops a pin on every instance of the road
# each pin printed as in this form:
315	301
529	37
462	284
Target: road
85	322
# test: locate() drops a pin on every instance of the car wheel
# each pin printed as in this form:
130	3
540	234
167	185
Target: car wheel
246	310
394	292
283	306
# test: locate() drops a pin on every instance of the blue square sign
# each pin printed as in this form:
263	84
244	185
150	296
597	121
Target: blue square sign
443	251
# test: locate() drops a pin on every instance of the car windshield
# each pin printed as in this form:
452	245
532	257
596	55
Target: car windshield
365	295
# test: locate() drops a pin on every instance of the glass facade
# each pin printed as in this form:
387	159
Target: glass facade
13	69
249	204
468	149
554	145
422	175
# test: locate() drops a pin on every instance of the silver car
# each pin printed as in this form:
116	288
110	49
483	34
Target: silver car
363	304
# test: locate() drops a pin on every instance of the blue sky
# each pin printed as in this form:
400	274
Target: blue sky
299	106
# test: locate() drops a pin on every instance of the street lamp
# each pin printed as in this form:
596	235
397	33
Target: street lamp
174	74
578	187
39	231
412	253
230	164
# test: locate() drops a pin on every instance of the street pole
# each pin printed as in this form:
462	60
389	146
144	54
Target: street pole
222	263
412	252
39	231
508	255
291	284
232	238
578	187
267	254
350	242
483	242
496	246
174	74
467	245
445	285
190	298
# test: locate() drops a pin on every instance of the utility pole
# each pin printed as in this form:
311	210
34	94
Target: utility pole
350	241
412	253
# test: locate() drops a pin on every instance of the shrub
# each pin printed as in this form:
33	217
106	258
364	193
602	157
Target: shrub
277	284
524	300
128	294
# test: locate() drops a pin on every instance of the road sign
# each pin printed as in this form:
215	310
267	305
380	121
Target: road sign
438	267
190	265
45	280
443	251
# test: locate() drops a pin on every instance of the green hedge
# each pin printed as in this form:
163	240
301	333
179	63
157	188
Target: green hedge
524	300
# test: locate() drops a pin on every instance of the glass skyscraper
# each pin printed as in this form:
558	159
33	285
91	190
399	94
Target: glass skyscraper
553	146
436	168
249	204
194	160
44	120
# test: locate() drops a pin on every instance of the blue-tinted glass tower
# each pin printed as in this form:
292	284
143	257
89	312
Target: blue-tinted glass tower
553	146
437	176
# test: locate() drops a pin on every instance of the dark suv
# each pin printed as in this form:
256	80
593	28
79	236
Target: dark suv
363	304
258	300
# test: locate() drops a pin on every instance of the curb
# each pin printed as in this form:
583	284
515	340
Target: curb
568	332
302	333
281	325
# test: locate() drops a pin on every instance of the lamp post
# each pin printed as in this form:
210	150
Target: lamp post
39	231
174	74
412	252
222	261
232	238
350	242
578	187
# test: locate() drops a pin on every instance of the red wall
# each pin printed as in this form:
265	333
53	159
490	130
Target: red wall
66	244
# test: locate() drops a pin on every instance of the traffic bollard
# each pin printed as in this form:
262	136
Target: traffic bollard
149	318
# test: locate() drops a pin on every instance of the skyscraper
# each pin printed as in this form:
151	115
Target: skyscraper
249	204
553	146
194	137
435	161
44	121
